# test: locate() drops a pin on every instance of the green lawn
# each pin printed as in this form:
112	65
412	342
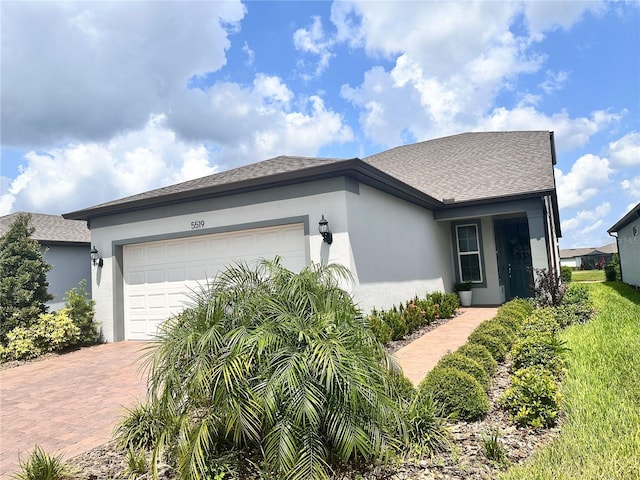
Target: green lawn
600	438
587	276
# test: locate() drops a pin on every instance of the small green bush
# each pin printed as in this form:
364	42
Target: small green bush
402	387
141	427
533	398
512	323
42	466
518	306
539	349
495	346
573	313
416	316
576	306
21	345
542	320
396	322
468	365
136	463
427	430
53	332
458	392
495	329
576	293
565	274
447	303
480	354
380	329
81	309
493	449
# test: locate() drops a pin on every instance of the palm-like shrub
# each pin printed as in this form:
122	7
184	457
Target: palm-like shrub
274	362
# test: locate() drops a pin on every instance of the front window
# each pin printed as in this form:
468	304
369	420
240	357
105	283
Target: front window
469	253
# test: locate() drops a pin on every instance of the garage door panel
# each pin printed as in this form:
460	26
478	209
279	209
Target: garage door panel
155	276
160	277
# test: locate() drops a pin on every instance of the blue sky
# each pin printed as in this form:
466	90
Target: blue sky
106	99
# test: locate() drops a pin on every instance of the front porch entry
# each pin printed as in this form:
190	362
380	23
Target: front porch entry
514	256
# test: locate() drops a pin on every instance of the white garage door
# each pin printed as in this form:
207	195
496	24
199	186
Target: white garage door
158	276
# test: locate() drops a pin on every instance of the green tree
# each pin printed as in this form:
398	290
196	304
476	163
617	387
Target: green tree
277	364
23	277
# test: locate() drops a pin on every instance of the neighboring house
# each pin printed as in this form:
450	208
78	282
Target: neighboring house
587	258
65	246
477	207
628	240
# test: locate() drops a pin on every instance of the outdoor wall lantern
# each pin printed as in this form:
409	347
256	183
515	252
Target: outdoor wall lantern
323	228
95	257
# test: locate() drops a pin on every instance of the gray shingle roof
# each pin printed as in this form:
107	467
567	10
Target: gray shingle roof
466	167
51	228
273	166
473	166
581	252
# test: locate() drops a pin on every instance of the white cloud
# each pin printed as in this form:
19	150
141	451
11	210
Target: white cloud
593	227
80	175
592	216
625	152
587	176
259	123
251	55
569	133
445	81
95	69
632	187
543	16
554	81
314	40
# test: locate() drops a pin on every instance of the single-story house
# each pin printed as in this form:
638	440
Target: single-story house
65	246
627	231
587	258
478	207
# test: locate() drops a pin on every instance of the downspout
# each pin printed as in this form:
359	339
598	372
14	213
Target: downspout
617	248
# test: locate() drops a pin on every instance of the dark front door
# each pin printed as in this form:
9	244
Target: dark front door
514	257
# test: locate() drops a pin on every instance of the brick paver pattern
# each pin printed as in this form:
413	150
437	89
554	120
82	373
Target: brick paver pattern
71	403
420	356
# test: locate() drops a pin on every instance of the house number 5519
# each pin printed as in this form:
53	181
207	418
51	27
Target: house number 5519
198	224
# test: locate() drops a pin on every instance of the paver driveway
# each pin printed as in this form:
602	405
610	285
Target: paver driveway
68	403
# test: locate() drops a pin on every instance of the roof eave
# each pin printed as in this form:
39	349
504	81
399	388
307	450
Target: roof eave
624	221
499	199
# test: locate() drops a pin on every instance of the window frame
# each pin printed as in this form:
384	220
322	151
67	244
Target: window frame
455	228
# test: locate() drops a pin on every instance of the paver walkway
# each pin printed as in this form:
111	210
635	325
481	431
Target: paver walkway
68	403
420	356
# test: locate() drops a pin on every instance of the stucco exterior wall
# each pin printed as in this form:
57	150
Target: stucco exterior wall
394	249
70	265
277	206
493	293
398	250
629	251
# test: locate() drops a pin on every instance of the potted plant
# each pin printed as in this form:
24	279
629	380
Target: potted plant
464	292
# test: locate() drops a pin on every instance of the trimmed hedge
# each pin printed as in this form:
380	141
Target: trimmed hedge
495	329
468	365
458	392
495	346
480	354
